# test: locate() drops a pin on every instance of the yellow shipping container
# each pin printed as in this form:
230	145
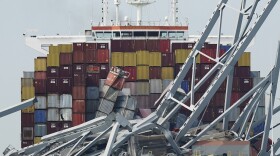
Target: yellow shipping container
181	55
37	140
66	48
155	59
167	73
245	59
27	92
117	59
129	59
197	59
26	82
53	60
29	109
142	72
40	64
142	58
54	49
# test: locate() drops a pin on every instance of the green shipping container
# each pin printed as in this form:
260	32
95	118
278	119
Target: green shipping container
143	58
129	59
155	59
167	73
117	59
142	72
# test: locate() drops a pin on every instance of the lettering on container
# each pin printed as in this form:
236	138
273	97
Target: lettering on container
65	67
65	81
53	81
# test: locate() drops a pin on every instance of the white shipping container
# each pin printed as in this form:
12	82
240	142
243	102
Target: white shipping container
53	114
42	102
155	86
132	87
143	88
65	114
65	101
53	101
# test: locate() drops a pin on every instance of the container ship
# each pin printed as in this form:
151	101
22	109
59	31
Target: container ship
70	80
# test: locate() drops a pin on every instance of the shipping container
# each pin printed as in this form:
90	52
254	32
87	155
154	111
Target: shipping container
101	84
127	46
127	102
54	49
132	87
89	46
65	85
142	58
79	106
78	118
53	60
66	114
143	72
132	73
210	53
52	85
129	59
145	112
29	109
218	99
90	56
205	68
26	143
153	45
105	106
40	116
27	119
90	116
139	45
79	68
143	102
165	84
79	79
185	86
66	48
40	86
245	84
92	79
40	75
102	46
28	74
79	92
92	93
116	45
143	88
235	96
92	106
65	58
152	100
27	92
124	92
115	81
26	82
65	101
40	64
181	55
209	115
40	130
155	73
102	56
242	71
155	59
117	59
78	47
155	86
53	127
176	46
109	93
91	68
27	133
255	74
233	116
53	114
52	72
245	59
167	60
53	101
41	102
65	125
164	46
104	70
167	73
78	56
65	71
37	140
256	80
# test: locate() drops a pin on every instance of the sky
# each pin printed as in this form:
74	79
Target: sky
72	17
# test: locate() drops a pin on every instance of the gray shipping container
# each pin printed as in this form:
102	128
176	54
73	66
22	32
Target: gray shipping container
42	102
132	87
66	114
99	114
128	114
27	133
106	106
165	83
260	113
233	116
65	101
125	91
40	130
126	102
53	101
53	114
92	93
143	88
155	86
101	84
109	93
28	74
256	80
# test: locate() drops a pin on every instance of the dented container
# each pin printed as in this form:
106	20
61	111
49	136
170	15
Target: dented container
142	58
53	114
41	102
117	59
66	114
129	59
155	86
132	73
245	59
65	101
40	64
79	106
79	92
167	73
109	93
143	88
155	59
53	101
143	72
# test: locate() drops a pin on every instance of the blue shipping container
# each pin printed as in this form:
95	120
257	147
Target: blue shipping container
225	47
40	116
92	93
259	128
185	86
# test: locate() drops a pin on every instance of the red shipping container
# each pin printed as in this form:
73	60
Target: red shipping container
90	56
79	106
167	59
65	71
65	125
40	86
210	52
164	46
92	79
102	56
143	102
89	46
78	92
116	46
65	85
234	97
209	115
25	143
78	118
79	79
53	127
210	46
102	45
52	72
190	45
115	81
235	84
155	73
140	45
189	73
242	71
104	70
65	58
219	99
92	69
27	119
133	73
153	45
78	57
245	84
78	47
205	68
223	86
181	46
38	75
78	68
126	46
52	85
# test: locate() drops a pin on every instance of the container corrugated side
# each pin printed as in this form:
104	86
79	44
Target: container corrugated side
27	92
40	116
142	58
37	140
167	73
143	72
132	86
155	86
28	74
92	106
66	114
165	84
40	64
143	88
79	106
54	49
26	82
66	48
181	55
29	109
155	59
92	93
27	133
245	59
53	114
129	59
117	59
53	60
65	101
78	118
40	130
53	101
